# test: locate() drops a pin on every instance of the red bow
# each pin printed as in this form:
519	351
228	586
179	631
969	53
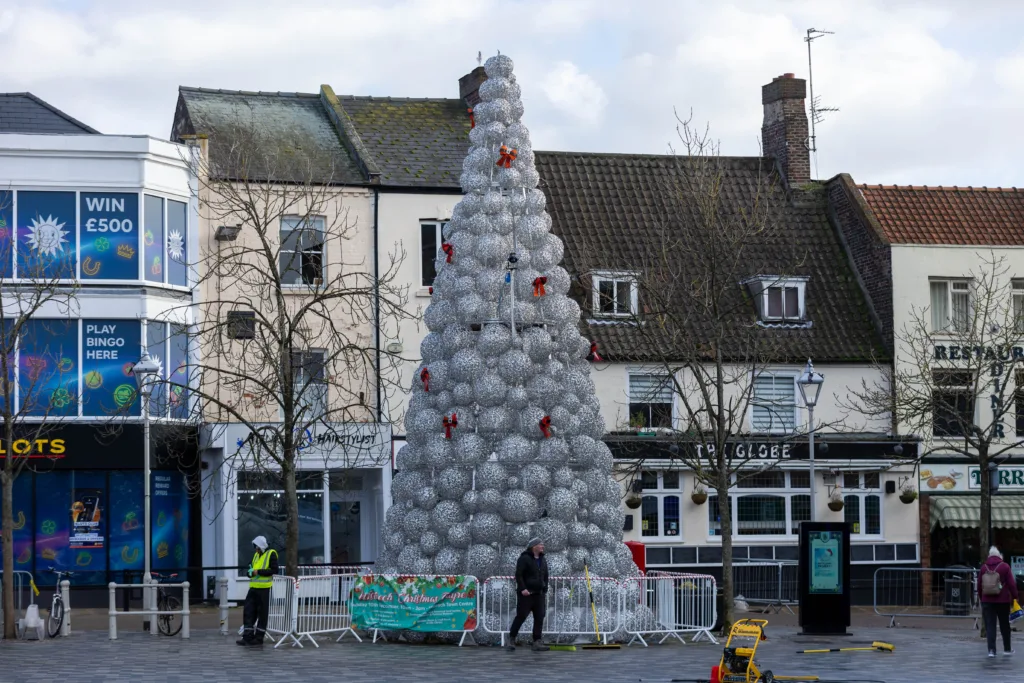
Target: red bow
538	286
449	250
430	290
450	423
545	426
594	356
472	121
507	157
425	378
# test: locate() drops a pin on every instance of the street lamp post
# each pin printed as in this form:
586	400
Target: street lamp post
810	387
145	372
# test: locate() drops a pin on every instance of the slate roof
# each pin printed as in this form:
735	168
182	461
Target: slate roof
289	121
391	142
948	215
414	142
612	210
23	112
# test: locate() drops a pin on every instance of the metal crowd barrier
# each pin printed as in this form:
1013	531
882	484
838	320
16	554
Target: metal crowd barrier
947	593
773	584
282	613
323	606
669	604
151	589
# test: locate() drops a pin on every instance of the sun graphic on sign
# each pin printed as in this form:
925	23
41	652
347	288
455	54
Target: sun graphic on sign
47	236
175	245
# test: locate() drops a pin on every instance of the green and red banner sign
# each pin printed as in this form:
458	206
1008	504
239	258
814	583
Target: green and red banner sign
415	603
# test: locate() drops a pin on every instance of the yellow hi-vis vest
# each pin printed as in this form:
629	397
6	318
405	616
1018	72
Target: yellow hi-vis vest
261	561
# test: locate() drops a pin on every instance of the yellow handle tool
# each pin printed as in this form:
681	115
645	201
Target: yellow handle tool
875	647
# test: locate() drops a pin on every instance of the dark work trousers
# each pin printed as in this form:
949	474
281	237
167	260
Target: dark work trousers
527	604
255	613
992	612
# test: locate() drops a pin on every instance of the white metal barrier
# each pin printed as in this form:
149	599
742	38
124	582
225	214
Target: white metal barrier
281	617
329	569
669	604
773	584
567	615
323	606
152	610
906	592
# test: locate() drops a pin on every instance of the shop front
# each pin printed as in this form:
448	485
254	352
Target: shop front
344	484
951	513
78	504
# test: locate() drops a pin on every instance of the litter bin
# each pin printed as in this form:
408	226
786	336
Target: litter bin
958	592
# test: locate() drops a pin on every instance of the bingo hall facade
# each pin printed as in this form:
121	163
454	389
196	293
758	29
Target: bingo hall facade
97	230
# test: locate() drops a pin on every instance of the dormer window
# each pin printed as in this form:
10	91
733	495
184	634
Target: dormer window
614	294
779	300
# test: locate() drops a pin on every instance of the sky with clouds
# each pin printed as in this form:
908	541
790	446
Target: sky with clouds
928	92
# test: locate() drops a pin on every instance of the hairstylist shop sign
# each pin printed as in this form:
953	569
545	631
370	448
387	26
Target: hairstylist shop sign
416	603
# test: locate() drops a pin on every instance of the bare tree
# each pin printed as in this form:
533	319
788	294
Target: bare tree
696	321
39	387
959	371
290	300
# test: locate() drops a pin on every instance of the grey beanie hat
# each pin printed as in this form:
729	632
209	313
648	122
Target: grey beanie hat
536	540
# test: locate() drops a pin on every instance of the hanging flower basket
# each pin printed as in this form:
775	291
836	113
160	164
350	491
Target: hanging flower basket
699	497
835	504
908	496
633	501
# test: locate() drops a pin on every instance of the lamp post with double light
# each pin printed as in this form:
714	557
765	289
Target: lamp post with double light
810	388
146	372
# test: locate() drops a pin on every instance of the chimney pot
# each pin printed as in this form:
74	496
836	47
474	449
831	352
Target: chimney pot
788	75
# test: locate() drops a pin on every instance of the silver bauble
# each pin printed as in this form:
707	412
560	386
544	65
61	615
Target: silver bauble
514	366
470	501
454	337
519	534
578	557
489	390
529	422
517	398
426	497
463	394
446	513
536	479
554	452
452	482
430	542
499	66
487	527
558	564
602	562
555	535
494	340
507	559
519	506
562	476
460	535
481	560
491	475
466	365
431	348
489	500
450	561
439	315
496	420
516	450
408	557
437	450
422	422
561	504
469	448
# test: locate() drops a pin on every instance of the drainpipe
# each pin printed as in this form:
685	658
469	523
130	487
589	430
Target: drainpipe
376	299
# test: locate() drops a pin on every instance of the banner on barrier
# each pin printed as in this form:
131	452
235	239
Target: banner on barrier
415	603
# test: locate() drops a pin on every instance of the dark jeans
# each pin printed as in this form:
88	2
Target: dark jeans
255	613
991	612
526	604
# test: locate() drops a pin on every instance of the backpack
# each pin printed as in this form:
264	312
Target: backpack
991	581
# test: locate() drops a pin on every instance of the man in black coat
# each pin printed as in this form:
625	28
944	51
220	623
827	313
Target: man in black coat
532	589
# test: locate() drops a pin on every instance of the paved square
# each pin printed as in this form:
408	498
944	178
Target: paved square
931	656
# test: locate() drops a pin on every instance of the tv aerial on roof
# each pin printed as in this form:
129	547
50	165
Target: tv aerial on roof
817	111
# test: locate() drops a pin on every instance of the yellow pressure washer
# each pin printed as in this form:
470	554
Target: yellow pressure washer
738	663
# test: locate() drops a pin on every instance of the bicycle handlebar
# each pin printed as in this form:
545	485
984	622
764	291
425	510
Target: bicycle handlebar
60	572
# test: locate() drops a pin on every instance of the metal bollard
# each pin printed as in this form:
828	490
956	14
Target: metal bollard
65	594
112	613
154	628
222	586
184	611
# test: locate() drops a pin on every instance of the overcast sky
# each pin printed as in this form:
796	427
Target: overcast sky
929	92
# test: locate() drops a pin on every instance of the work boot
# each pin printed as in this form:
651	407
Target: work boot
538	646
511	647
244	642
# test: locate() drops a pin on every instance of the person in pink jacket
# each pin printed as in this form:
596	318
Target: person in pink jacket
997	589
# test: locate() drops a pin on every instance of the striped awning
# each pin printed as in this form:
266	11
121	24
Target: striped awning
964	512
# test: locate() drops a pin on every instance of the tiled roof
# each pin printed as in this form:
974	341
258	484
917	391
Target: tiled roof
948	215
610	213
289	122
413	142
23	112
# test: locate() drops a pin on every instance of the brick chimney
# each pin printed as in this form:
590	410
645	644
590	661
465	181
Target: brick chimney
470	84
785	133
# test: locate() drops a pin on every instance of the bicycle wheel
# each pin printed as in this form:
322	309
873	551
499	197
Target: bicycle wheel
169	624
56	618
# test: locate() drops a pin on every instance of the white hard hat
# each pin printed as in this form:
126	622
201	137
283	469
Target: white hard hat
260	542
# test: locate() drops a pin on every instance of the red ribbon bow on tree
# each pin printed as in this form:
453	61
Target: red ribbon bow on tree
593	356
472	121
450	423
545	426
425	378
449	251
507	157
430	290
538	286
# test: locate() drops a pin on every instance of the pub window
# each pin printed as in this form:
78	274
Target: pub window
862	504
650	401
757	512
430	243
952	402
951	305
773	403
660	508
241	324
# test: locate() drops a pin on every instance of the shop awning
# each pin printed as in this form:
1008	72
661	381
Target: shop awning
964	512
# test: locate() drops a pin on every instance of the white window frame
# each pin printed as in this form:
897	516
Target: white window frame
776	375
641	372
439	226
291	224
960	286
1017	301
598	277
761	286
660	494
862	492
735	494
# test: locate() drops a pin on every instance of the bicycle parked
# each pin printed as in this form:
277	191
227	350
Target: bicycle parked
56	618
168	624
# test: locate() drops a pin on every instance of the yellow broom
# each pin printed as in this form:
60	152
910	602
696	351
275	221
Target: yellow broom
593	611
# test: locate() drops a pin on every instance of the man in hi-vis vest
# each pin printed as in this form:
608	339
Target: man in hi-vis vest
257	601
